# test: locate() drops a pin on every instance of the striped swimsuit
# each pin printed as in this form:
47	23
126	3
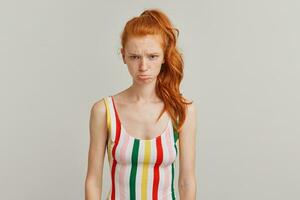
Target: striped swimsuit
141	169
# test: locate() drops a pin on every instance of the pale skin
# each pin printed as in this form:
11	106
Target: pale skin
143	56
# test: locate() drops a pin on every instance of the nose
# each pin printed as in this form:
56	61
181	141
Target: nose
143	66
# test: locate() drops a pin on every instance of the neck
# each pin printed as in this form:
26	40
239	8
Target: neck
143	92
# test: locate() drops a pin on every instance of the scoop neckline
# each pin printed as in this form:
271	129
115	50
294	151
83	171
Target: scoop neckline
133	137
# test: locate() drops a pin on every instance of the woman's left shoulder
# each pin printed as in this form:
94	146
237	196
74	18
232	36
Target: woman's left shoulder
191	107
190	122
191	114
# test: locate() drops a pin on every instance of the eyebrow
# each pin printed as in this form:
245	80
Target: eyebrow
154	53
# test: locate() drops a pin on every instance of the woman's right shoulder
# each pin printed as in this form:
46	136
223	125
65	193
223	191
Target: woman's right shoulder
98	108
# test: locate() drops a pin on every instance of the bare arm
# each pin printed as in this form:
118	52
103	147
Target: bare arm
187	140
96	154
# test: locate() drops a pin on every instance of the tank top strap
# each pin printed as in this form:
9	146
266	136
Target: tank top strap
175	136
175	133
111	117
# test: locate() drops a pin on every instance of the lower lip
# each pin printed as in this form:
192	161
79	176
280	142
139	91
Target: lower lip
144	77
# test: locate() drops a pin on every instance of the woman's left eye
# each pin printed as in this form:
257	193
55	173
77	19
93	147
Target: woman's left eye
153	56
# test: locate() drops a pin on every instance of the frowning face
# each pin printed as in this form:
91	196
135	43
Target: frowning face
144	57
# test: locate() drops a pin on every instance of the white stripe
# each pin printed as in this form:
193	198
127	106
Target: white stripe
120	165
117	192
139	171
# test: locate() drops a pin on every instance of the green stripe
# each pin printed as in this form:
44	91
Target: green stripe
176	132
173	192
134	161
176	136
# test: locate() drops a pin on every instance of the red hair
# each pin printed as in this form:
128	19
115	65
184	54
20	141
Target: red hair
155	22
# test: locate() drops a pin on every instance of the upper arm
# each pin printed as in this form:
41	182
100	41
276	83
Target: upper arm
187	145
98	138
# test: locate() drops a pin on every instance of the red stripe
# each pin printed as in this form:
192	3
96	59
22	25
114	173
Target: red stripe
118	128
156	168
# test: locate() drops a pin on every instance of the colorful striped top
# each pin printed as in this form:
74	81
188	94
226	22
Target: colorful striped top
140	168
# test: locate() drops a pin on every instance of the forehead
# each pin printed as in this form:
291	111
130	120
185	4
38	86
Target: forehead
147	44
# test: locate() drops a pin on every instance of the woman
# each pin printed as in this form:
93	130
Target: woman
146	126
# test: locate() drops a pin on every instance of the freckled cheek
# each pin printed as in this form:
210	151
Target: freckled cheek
155	64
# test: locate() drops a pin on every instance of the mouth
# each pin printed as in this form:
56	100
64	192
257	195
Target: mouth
143	77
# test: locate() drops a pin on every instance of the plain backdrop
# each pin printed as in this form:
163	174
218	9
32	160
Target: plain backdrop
242	61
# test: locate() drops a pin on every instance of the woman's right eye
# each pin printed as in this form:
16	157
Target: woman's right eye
133	57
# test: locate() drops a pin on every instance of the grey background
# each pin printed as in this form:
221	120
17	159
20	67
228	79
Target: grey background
241	69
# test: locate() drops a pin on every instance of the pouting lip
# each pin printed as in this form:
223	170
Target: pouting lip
143	76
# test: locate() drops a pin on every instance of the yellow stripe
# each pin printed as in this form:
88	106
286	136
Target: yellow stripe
107	115
108	122
147	156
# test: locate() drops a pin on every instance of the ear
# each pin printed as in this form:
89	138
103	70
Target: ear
123	55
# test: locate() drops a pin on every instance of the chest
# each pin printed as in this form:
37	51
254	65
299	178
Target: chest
140	121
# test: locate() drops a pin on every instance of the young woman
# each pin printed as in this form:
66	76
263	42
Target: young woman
144	127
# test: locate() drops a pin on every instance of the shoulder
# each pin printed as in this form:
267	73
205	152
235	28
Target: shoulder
190	108
189	124
98	109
